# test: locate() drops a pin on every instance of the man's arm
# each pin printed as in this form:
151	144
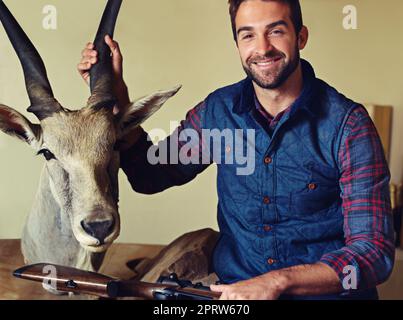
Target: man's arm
368	220
310	279
368	228
148	178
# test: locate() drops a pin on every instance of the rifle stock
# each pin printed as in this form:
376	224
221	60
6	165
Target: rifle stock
69	279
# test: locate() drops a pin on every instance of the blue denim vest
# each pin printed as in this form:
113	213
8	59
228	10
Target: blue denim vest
288	210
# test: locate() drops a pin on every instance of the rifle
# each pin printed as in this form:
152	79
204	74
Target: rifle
74	280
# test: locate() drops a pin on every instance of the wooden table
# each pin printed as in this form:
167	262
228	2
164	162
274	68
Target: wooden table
115	265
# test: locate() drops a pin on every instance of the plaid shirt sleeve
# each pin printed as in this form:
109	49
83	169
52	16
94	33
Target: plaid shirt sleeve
368	225
153	178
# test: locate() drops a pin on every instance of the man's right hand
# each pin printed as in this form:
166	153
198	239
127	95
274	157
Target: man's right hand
89	57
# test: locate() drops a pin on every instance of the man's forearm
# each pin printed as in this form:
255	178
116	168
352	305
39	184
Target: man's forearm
122	94
309	279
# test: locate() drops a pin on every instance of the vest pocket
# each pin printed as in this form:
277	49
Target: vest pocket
312	202
320	192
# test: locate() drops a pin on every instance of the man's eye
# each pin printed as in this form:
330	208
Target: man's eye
246	37
47	154
277	32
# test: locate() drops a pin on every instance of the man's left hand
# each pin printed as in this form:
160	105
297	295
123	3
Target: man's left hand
266	287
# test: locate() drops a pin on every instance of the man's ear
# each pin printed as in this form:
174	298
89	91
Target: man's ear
15	124
303	37
140	110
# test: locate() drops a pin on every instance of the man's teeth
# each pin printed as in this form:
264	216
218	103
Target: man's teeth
266	63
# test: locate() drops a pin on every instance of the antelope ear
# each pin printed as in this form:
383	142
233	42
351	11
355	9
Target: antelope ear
15	124
140	110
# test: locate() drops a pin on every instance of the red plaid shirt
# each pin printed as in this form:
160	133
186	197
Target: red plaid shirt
367	212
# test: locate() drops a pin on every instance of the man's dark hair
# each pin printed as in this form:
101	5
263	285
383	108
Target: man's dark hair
295	8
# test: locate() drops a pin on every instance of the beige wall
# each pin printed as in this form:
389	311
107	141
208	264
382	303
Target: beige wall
166	42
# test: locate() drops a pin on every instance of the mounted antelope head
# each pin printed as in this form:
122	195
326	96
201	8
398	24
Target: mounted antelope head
75	214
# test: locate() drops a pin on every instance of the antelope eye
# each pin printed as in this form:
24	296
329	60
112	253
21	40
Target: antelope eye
47	154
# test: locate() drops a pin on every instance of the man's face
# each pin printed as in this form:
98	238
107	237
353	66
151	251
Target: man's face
267	42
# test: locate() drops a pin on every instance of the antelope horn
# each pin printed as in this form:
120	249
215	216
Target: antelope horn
101	75
43	103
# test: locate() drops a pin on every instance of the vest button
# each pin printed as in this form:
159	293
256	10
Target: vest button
271	261
268	160
266	200
267	228
312	186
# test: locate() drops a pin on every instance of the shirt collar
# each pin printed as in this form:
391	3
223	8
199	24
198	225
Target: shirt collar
304	101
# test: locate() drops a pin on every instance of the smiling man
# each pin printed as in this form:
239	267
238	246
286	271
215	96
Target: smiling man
313	220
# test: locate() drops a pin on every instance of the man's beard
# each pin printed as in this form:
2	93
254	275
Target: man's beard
274	78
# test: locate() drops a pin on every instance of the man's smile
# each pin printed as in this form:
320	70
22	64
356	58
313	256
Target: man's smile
267	63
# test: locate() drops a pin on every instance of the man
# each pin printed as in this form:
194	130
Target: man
313	220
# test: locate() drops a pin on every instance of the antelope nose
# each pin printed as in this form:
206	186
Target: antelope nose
98	229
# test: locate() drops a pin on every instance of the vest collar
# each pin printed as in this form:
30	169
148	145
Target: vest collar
304	101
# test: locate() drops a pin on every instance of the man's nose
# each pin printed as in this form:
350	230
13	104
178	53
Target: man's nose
263	45
98	229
